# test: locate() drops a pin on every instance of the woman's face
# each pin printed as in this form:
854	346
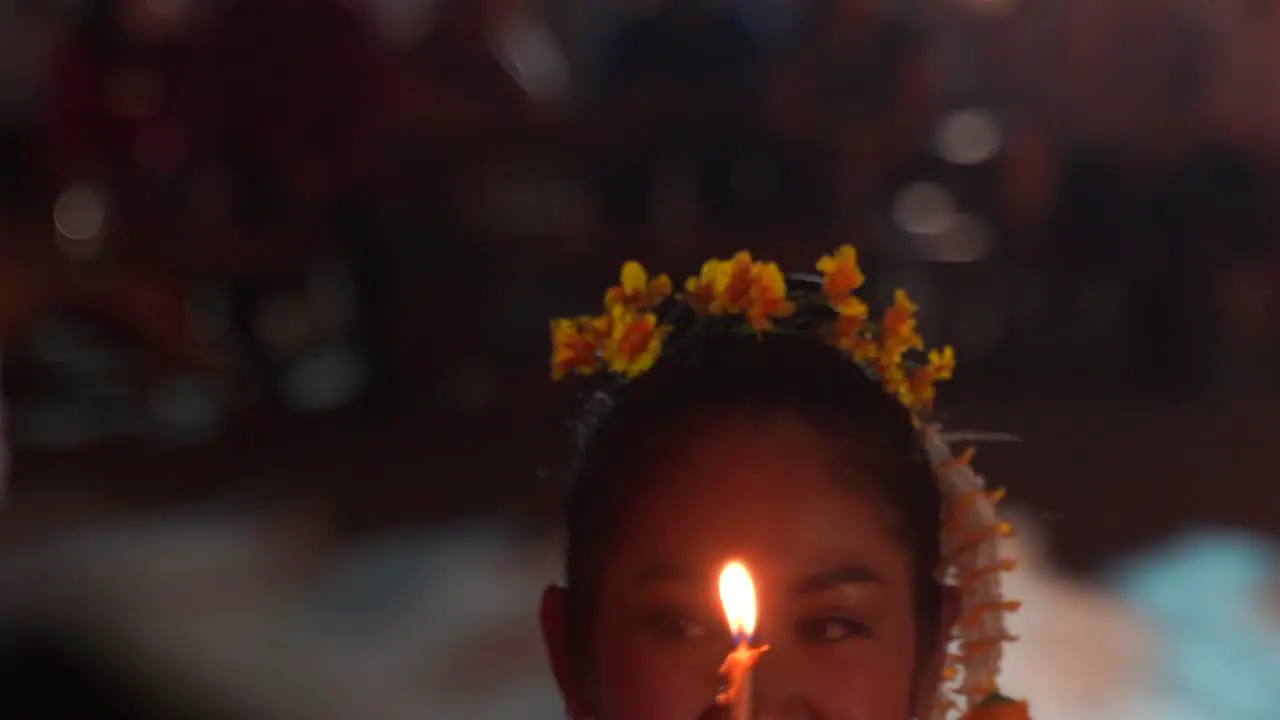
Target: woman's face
833	582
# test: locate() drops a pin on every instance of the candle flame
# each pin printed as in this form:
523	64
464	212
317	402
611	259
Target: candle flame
738	595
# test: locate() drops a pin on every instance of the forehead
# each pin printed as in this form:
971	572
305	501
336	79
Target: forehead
766	489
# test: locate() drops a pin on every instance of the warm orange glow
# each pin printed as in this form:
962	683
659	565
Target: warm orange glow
738	595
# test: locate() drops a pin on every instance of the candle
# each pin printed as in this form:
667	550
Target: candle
738	596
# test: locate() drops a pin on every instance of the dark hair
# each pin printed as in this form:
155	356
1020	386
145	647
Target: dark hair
622	429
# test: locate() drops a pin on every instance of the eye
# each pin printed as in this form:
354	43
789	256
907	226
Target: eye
830	630
676	625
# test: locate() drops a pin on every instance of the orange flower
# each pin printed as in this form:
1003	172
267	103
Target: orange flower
841	276
722	287
734	283
852	307
942	363
920	389
899	327
900	318
847	335
768	297
575	345
863	349
627	339
634	343
999	707
740	286
892	376
635	291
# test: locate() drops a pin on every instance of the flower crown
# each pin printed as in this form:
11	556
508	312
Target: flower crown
628	337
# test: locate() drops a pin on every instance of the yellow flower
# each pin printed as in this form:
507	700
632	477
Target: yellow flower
740	286
999	707
575	345
942	363
841	276
635	291
634	343
731	284
627	339
921	388
701	291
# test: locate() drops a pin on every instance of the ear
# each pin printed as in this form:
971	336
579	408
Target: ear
931	667
564	667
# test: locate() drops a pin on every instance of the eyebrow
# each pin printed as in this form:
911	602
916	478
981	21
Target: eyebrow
831	579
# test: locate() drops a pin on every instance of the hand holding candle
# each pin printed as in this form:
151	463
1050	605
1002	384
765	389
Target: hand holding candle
738	596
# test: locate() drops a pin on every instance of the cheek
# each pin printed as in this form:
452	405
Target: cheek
639	681
866	680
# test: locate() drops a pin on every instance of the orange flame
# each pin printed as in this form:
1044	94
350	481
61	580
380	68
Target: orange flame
738	596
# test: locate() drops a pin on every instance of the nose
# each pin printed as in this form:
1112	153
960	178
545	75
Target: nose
778	689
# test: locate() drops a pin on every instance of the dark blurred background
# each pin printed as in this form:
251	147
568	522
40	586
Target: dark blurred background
275	277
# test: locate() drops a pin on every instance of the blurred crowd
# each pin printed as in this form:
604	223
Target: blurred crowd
220	183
